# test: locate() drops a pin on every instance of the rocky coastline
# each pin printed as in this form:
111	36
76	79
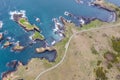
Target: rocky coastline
103	5
10	74
14	64
18	47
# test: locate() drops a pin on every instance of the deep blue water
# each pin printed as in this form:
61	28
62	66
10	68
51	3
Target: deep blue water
45	10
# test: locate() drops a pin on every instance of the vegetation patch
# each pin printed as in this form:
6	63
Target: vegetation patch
100	73
109	56
26	24
112	58
109	66
92	24
99	62
37	36
116	44
117	9
94	51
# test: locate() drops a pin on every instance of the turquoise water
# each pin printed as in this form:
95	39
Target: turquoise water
46	10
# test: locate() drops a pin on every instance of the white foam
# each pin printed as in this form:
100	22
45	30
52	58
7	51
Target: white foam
23	12
12	39
66	13
30	37
1	24
56	24
82	21
37	19
79	1
53	42
17	42
61	35
9	38
112	17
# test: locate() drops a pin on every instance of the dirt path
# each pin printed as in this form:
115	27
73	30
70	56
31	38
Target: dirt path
66	49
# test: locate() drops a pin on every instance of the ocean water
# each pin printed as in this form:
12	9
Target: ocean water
46	10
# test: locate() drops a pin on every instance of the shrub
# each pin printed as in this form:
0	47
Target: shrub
116	44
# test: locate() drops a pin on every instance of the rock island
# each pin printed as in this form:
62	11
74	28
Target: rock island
18	47
42	49
23	22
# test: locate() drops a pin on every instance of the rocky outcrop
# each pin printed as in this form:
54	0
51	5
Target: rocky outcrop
42	49
99	2
17	47
10	74
7	44
1	36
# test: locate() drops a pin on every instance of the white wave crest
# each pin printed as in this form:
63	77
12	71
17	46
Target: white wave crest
1	24
23	12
